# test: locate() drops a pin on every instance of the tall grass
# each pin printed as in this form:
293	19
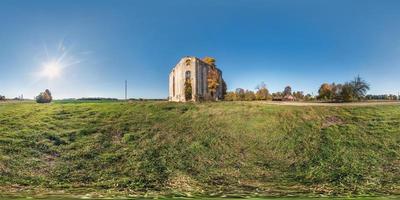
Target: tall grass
226	147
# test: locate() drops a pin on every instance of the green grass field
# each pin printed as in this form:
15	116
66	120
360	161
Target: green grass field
245	148
281	198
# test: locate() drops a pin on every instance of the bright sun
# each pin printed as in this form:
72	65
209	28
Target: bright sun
51	70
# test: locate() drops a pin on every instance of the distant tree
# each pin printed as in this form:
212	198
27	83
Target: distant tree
299	95
240	94
2	98
391	97
325	92
249	95
360	87
382	97
44	97
336	91
308	97
347	93
262	92
277	95
230	96
287	91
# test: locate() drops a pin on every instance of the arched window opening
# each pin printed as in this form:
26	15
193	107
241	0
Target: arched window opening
187	62
187	74
188	86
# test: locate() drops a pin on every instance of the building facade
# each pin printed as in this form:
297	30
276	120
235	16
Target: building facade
188	81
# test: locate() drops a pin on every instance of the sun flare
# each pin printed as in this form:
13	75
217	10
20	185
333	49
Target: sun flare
51	70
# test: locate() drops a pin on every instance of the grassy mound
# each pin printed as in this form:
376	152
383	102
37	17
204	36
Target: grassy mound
226	147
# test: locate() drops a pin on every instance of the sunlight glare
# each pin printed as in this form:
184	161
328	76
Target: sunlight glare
51	70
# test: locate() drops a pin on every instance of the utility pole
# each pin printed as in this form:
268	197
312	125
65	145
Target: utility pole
126	90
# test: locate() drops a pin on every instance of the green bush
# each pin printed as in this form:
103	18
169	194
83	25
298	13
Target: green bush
44	97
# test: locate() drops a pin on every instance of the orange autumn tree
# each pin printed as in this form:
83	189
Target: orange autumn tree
213	76
325	91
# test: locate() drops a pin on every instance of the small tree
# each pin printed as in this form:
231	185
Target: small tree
360	87
347	93
308	97
262	92
2	98
240	94
336	91
249	95
44	97
277	95
299	95
287	91
230	96
325	92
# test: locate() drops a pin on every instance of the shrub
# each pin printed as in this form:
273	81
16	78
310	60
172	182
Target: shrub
249	95
347	93
44	97
240	94
230	96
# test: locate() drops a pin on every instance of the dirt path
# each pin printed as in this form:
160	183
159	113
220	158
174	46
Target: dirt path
369	103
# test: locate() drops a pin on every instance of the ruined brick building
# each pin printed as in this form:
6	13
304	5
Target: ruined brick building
189	80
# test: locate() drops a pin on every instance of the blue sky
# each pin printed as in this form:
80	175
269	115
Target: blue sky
281	42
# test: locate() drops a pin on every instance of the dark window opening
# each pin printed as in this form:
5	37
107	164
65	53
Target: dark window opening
187	74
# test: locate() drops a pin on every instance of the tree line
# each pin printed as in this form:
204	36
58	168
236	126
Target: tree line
382	97
263	94
355	90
